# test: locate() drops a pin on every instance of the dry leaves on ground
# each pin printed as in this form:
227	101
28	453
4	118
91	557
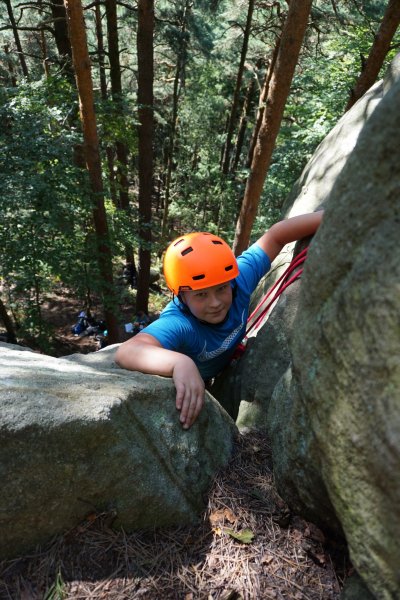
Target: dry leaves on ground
240	550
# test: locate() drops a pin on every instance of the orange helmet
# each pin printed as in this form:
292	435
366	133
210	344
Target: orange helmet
198	260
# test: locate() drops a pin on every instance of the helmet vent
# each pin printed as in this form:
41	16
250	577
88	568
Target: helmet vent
186	251
178	242
216	242
229	268
197	277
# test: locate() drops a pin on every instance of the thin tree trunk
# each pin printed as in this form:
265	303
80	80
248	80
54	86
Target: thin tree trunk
8	324
61	37
235	101
43	45
279	88
379	50
247	107
170	150
100	52
180	67
104	95
16	38
262	101
116	92
145	52
84	83
10	65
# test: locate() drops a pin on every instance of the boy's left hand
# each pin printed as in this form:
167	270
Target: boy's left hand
189	390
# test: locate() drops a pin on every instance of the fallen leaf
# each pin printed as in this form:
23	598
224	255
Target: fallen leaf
315	533
92	517
245	535
297	535
221	515
267	559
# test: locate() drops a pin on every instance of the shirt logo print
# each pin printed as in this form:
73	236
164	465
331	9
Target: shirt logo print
204	355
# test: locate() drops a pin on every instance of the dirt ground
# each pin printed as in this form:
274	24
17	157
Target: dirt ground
246	546
61	309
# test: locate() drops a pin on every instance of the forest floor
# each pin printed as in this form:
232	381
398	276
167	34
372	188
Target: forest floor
246	546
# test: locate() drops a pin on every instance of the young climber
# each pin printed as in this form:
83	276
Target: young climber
197	332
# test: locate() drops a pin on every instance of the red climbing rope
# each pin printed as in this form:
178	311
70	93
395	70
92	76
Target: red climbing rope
279	286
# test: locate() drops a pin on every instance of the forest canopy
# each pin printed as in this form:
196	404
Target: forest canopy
180	90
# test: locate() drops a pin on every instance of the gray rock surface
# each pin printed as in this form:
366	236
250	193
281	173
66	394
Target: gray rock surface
345	353
79	435
253	385
334	414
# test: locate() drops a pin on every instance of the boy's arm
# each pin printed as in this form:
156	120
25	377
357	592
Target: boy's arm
144	353
287	231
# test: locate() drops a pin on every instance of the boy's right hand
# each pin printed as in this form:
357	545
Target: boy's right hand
190	390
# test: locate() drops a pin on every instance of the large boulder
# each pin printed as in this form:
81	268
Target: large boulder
323	374
346	349
79	435
252	387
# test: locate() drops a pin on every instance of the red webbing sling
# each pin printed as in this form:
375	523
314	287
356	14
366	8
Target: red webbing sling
272	295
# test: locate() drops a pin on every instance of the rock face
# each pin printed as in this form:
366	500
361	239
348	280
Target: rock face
329	395
79	435
271	348
346	349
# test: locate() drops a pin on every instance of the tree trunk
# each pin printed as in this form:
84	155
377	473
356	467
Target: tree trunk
43	44
100	51
103	88
262	101
116	92
61	37
248	104
16	38
170	149
10	65
235	101
11	336
279	88
84	83
379	50
179	75
145	51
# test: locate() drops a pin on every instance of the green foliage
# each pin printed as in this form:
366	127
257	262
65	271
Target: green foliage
44	198
46	232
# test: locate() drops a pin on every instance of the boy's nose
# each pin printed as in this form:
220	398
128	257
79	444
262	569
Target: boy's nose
214	300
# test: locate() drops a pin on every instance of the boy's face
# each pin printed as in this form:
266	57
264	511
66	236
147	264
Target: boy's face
210	304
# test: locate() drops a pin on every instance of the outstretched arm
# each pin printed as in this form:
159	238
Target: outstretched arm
287	231
144	353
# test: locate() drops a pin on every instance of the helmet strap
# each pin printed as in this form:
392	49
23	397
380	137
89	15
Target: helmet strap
181	304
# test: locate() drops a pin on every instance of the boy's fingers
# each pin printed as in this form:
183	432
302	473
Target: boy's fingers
188	416
196	403
183	403
179	399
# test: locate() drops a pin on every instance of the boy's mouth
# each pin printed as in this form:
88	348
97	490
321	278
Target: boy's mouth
217	314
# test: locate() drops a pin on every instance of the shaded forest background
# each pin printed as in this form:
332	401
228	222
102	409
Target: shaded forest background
124	123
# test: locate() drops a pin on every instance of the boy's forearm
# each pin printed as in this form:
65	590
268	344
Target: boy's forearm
147	359
289	230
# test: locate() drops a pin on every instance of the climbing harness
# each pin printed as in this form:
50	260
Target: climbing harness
286	279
